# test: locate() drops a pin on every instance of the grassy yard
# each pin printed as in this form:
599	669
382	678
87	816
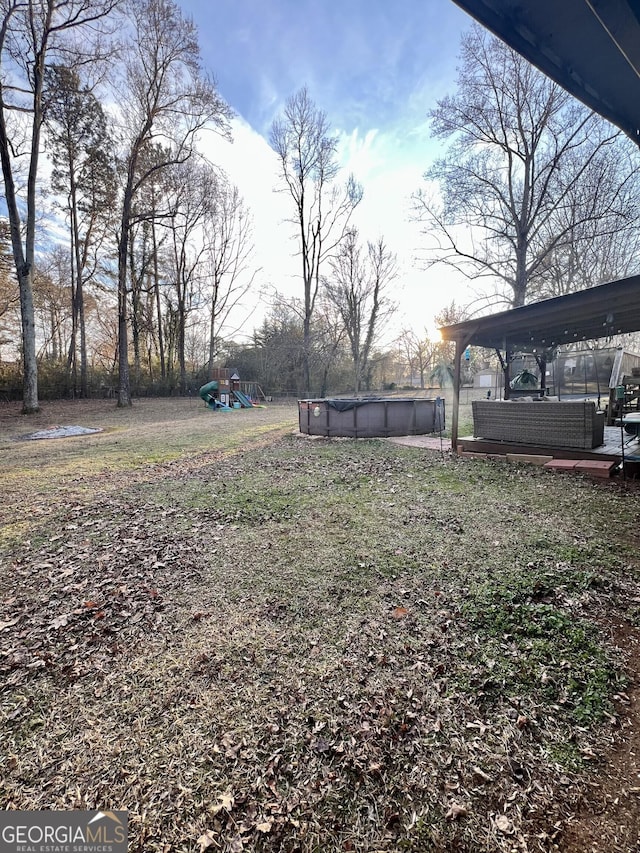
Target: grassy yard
253	640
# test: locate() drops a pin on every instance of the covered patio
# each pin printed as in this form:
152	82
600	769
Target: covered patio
599	312
592	49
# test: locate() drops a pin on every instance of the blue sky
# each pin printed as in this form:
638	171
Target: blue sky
367	64
375	68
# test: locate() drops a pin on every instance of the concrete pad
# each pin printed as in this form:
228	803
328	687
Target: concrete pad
429	441
531	458
595	469
562	464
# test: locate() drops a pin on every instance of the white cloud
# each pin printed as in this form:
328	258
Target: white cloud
376	70
390	166
252	166
391	170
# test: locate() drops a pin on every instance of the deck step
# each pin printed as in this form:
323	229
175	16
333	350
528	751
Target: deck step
531	458
562	464
596	469
584	466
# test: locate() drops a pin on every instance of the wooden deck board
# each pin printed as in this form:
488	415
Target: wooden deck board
610	450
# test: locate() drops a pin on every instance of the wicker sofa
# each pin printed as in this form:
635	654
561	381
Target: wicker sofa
540	422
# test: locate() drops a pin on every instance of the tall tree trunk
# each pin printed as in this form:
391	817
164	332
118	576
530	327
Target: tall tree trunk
182	322
156	290
520	283
212	324
124	386
79	319
79	327
30	403
71	355
84	368
306	354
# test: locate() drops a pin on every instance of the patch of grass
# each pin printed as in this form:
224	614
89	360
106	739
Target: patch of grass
535	648
12	534
567	755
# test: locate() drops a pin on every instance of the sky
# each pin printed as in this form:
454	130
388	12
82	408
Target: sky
376	69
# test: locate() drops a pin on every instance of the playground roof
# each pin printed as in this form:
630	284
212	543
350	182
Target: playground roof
599	312
590	47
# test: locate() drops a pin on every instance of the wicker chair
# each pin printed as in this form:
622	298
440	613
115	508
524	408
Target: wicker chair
542	423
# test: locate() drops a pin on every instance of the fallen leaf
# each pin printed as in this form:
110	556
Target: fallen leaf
399	612
477	771
207	839
504	825
456	811
226	801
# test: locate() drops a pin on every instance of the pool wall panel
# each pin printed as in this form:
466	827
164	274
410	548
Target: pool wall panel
370	418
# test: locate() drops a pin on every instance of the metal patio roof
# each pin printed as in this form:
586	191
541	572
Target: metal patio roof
599	312
590	47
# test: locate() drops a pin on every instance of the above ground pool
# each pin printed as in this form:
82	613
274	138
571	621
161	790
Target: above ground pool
371	417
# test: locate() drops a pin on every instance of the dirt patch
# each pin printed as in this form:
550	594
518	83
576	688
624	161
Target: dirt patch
608	819
60	432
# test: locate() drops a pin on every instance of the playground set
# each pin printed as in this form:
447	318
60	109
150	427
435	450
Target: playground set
225	392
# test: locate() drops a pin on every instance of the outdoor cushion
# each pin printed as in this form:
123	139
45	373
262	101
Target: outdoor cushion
545	424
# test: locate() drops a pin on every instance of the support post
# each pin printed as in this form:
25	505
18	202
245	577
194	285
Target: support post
541	361
457	375
505	371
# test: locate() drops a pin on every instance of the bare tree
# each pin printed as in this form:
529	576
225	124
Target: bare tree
34	34
147	259
83	176
277	344
330	346
227	259
9	301
51	292
600	248
418	352
358	287
189	199
166	100
308	167
522	147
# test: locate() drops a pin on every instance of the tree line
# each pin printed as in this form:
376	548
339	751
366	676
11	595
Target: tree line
124	251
